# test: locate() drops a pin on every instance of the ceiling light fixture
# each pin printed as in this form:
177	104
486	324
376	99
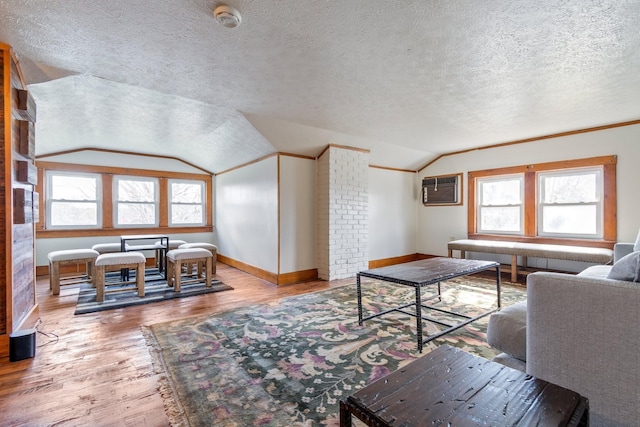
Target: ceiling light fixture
227	16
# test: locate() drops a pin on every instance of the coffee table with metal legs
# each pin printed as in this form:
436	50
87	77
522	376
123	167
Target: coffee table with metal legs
428	272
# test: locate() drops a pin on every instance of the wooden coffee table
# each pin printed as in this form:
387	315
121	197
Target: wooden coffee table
450	387
428	272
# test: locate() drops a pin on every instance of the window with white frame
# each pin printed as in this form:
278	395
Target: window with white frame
501	204
571	203
187	202
73	200
135	201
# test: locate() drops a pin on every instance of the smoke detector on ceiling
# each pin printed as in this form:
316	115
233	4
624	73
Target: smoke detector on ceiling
227	16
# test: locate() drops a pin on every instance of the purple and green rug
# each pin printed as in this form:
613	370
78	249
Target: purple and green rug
290	362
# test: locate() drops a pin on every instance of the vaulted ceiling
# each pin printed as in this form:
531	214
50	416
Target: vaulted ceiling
409	80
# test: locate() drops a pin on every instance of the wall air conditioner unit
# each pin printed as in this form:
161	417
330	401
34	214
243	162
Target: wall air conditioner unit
441	190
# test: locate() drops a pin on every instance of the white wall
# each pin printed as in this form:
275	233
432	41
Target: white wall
246	214
297	214
393	201
438	225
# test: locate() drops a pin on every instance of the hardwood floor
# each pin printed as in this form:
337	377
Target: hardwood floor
98	371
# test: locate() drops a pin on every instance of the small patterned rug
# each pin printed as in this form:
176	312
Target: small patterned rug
290	362
155	290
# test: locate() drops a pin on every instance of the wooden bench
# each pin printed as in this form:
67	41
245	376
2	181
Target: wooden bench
535	250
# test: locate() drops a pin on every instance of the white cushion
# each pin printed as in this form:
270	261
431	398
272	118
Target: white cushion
627	268
120	258
72	254
183	254
104	248
201	245
173	244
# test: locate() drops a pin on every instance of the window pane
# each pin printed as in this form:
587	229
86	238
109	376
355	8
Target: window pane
570	219
73	188
505	219
570	188
182	192
65	213
136	191
506	192
186	214
136	214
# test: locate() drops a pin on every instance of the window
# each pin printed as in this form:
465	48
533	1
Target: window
136	201
501	204
187	202
73	200
570	203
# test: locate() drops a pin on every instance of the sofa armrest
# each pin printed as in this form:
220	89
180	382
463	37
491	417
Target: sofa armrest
620	250
583	334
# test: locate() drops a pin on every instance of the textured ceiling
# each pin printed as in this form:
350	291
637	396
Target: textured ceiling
408	80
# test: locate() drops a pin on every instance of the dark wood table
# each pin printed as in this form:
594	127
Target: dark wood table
419	274
450	387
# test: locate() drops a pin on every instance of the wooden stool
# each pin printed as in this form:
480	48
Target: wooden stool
117	261
106	248
173	244
71	256
208	246
179	257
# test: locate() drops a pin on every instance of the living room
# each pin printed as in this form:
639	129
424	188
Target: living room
266	203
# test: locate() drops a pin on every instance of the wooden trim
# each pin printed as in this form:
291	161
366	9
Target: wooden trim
530	206
297	276
610	203
391	169
129	153
268	156
73	167
107	201
530	202
346	147
377	263
163	202
57	234
300	156
7	180
343	147
537	138
248	268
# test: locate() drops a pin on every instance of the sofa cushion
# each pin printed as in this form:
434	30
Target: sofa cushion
636	246
596	271
627	268
507	330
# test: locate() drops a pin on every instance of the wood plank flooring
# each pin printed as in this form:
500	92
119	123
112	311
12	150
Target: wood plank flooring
98	372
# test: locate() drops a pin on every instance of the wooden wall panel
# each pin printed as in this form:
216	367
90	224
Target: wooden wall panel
3	199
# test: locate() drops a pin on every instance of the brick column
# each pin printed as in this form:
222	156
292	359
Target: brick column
343	212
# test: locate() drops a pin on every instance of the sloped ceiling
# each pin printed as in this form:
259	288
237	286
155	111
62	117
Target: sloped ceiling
408	80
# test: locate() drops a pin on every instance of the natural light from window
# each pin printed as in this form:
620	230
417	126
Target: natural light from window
73	200
501	204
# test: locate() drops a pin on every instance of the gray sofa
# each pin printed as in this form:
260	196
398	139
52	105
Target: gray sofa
581	332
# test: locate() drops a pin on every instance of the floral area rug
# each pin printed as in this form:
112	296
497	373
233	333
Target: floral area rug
290	362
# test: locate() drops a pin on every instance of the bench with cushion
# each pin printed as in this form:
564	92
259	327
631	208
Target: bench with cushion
534	250
176	258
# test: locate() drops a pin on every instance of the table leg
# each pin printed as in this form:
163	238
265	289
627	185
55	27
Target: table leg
419	317
345	415
359	293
